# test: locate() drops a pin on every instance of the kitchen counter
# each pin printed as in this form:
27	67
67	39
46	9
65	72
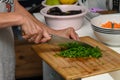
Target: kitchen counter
86	30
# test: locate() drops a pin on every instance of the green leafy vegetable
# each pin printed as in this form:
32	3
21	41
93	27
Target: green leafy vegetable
76	50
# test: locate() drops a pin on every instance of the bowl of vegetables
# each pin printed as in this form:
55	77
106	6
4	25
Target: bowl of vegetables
107	29
46	3
64	16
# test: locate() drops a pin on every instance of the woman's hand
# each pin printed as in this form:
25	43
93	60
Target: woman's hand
33	32
68	32
38	32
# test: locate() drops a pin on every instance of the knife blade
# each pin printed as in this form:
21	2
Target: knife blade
55	40
61	40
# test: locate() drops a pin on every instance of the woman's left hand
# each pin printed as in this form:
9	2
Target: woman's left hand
68	33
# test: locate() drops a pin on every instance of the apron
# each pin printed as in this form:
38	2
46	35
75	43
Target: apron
7	55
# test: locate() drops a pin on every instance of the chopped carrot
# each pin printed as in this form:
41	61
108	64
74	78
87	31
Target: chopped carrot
107	25
116	25
110	24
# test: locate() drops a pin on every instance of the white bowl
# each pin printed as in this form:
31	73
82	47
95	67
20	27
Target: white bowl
105	35
62	22
45	5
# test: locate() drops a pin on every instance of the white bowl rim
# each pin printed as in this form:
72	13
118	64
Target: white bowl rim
68	16
93	19
43	3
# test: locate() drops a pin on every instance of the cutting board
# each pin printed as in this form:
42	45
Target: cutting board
75	68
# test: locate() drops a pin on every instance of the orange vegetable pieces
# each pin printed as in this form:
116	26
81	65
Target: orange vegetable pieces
116	25
107	25
110	24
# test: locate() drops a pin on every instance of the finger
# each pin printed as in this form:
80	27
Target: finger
38	38
72	34
28	33
25	37
32	38
46	37
23	33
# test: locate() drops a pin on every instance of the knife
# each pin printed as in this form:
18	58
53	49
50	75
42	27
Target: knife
56	40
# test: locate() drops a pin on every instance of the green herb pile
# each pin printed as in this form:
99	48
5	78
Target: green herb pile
76	50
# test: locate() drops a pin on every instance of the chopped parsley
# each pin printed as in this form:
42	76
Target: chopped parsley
76	50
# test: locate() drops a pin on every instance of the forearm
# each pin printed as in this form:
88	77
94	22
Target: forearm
19	9
9	19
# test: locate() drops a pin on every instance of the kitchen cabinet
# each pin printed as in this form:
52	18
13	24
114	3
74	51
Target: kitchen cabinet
28	64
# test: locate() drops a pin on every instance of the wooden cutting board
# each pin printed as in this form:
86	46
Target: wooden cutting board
75	68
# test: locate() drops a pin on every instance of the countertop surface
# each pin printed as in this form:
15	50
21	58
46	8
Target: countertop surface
86	30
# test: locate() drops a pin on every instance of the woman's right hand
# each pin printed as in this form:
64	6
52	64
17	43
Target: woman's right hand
33	32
